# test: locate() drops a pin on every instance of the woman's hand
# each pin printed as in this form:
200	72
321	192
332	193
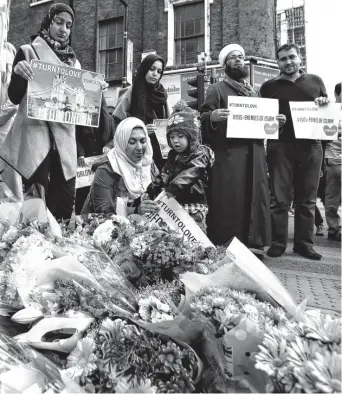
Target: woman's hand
148	206
105	150
219	115
281	119
81	161
104	85
321	101
151	128
24	69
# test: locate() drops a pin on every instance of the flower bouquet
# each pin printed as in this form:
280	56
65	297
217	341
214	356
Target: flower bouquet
119	355
147	252
303	355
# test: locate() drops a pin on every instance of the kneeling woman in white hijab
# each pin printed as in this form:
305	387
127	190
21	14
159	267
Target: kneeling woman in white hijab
125	172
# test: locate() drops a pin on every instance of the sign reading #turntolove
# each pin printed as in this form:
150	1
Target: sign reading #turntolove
314	122
64	94
252	117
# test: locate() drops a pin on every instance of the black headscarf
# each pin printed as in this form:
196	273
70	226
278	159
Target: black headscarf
63	50
148	101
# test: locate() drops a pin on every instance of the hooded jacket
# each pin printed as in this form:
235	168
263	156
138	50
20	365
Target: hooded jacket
185	175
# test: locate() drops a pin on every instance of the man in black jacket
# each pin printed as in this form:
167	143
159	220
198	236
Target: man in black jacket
293	161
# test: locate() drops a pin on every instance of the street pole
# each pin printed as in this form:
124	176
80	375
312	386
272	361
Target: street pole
4	17
125	38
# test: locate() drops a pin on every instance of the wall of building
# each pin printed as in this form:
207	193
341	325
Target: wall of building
25	20
247	22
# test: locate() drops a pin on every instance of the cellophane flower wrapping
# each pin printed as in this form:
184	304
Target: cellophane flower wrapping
22	368
54	274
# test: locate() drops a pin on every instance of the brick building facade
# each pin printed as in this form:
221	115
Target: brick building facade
178	30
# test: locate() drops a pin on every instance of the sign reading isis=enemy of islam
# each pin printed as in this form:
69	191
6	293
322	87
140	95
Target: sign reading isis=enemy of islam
64	94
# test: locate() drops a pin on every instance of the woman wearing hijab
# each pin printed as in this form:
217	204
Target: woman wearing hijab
124	172
146	100
44	152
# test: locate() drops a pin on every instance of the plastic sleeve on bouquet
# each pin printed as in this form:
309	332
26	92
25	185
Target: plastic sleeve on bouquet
35	371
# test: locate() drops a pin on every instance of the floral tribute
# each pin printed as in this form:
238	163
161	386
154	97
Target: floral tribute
84	274
120	356
146	252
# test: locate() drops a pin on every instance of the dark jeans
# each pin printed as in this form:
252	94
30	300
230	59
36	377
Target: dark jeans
296	163
59	193
333	195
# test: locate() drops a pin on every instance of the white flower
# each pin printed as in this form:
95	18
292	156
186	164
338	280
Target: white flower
123	386
272	357
152	309
139	245
82	358
323	327
103	233
11	235
120	219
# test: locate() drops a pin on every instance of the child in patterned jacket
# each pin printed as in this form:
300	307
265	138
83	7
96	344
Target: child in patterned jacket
186	172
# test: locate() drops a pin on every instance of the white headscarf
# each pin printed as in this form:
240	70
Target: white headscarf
136	176
227	50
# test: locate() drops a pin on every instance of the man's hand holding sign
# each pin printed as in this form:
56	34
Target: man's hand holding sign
319	120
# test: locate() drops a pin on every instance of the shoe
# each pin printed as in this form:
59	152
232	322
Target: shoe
320	230
307	251
335	236
275	251
259	256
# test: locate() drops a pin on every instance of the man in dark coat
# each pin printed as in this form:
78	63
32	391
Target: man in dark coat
293	161
238	192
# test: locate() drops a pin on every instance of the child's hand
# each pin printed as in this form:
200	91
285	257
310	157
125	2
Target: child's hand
148	206
144	197
164	178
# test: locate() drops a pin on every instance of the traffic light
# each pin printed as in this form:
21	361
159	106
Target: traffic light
197	91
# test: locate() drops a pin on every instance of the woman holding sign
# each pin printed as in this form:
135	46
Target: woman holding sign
146	100
124	172
44	152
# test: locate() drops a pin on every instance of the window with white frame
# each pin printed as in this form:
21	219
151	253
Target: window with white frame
111	48
188	32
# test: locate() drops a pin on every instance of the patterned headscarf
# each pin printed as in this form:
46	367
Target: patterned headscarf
136	176
62	49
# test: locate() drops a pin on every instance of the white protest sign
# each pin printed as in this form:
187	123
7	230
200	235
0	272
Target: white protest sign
161	136
258	272
85	175
315	122
64	94
178	219
252	117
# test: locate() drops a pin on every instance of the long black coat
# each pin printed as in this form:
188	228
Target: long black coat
238	193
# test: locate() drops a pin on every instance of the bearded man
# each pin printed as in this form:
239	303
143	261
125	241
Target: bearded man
293	161
238	193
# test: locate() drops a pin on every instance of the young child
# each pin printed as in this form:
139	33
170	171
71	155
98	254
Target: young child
185	174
